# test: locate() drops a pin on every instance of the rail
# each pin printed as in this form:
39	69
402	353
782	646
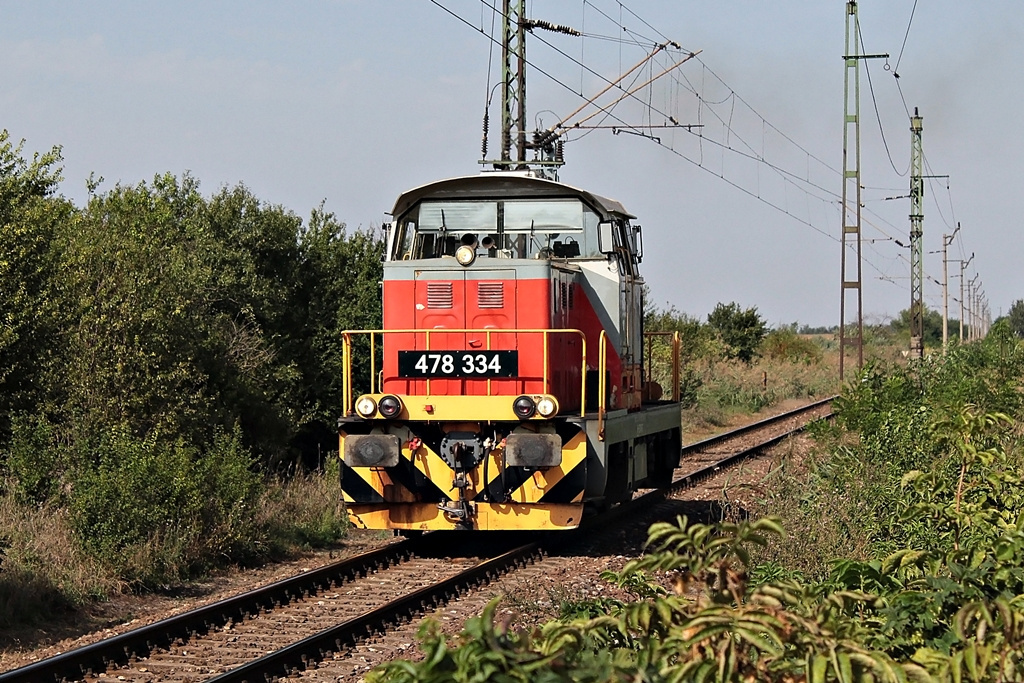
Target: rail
712	441
602	382
140	642
602	364
377	382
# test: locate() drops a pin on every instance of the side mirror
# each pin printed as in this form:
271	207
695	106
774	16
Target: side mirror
638	238
605	239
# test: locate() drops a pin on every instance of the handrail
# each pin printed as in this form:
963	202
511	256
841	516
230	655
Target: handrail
347	384
602	383
676	345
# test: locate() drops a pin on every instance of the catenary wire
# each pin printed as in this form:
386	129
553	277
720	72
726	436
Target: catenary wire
874	101
733	96
910	23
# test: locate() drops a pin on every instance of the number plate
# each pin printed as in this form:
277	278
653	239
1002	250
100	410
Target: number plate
464	364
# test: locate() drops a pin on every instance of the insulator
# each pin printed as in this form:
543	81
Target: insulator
483	142
560	151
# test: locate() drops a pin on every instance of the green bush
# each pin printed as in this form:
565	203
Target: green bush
1015	318
697	344
952	611
162	355
785	344
915	506
846	500
159	510
741	330
703	621
31	312
34	460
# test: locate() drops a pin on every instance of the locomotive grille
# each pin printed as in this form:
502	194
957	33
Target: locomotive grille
491	295
439	295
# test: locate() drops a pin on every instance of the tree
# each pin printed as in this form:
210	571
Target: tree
931	322
187	315
740	330
30	214
341	287
1015	317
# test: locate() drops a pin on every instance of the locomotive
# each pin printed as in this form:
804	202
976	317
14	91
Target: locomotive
512	383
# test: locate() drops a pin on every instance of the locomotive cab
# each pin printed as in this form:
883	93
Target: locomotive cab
505	388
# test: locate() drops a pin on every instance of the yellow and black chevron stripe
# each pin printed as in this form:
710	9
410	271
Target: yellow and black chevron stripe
564	483
408	482
424	476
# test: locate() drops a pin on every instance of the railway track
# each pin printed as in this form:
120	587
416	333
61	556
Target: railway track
703	458
288	626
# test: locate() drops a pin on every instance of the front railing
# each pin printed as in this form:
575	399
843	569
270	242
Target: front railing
649	351
377	379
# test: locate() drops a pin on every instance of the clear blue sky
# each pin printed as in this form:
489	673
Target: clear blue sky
354	101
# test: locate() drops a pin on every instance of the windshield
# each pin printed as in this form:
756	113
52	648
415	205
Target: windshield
550	228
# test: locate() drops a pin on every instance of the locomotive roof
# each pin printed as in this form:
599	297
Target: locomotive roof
497	185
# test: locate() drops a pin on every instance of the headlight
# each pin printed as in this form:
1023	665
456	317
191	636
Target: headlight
546	406
465	255
389	406
524	407
366	407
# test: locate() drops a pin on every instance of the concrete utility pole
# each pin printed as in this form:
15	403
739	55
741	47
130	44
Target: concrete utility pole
970	307
963	267
979	299
946	241
916	241
851	275
970	319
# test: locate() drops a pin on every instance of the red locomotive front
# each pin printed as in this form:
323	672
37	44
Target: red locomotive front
511	335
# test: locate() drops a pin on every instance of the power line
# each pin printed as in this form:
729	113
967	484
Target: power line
799	182
528	62
874	102
732	96
895	71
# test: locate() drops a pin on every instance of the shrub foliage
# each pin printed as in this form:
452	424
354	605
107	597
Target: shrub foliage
161	351
741	330
934	593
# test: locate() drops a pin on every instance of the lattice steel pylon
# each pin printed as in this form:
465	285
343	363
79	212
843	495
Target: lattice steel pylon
851	276
916	241
513	94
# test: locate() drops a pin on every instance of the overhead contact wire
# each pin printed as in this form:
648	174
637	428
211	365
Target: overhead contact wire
787	176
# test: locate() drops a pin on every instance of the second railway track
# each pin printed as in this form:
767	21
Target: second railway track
291	625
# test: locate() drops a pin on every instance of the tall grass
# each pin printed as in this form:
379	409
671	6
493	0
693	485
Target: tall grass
845	498
43	569
729	388
47	568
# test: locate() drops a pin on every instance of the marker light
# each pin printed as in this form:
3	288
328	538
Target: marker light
465	255
365	406
524	407
389	406
546	406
